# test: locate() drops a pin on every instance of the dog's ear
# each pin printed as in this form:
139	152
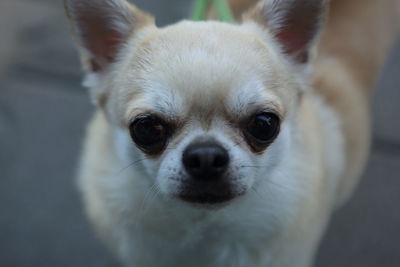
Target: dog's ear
294	24
101	27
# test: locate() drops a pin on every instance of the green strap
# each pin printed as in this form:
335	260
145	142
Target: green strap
223	11
200	9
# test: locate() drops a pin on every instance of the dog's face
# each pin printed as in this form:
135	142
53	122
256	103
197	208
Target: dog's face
199	102
209	108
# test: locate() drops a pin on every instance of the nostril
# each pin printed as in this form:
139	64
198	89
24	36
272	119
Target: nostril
220	161
192	161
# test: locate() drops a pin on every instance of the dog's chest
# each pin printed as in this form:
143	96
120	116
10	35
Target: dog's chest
198	244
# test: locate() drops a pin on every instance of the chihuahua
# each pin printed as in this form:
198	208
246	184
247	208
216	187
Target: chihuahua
226	145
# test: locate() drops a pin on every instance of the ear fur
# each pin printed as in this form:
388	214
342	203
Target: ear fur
294	24
100	28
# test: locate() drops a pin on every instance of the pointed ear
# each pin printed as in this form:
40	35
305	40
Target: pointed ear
101	27
294	24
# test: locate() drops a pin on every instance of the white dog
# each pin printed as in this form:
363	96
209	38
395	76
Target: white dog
226	145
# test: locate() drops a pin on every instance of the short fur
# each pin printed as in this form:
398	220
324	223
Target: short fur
205	78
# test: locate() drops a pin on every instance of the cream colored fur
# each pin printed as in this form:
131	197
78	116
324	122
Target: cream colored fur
205	74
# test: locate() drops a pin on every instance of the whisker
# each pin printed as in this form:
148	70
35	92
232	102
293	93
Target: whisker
172	147
250	166
156	193
130	165
142	206
148	195
239	143
257	193
275	183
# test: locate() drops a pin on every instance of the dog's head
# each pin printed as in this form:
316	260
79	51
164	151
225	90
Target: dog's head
210	107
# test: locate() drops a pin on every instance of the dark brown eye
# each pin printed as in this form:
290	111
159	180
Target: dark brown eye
150	133
262	129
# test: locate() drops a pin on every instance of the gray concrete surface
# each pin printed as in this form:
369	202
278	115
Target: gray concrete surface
43	110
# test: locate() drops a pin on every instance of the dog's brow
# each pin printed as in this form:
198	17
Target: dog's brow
252	97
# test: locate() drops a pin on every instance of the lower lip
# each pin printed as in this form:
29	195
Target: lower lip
207	199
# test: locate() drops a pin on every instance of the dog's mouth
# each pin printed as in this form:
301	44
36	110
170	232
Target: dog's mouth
206	198
209	192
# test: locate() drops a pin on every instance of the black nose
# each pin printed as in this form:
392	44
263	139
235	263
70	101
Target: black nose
205	161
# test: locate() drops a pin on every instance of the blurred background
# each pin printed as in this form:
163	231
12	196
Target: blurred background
43	112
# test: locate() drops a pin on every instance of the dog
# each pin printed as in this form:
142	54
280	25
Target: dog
217	144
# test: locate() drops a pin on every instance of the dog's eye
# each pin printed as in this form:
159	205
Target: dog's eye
150	133
262	129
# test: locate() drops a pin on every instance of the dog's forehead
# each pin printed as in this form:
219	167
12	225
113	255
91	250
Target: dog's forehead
204	68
